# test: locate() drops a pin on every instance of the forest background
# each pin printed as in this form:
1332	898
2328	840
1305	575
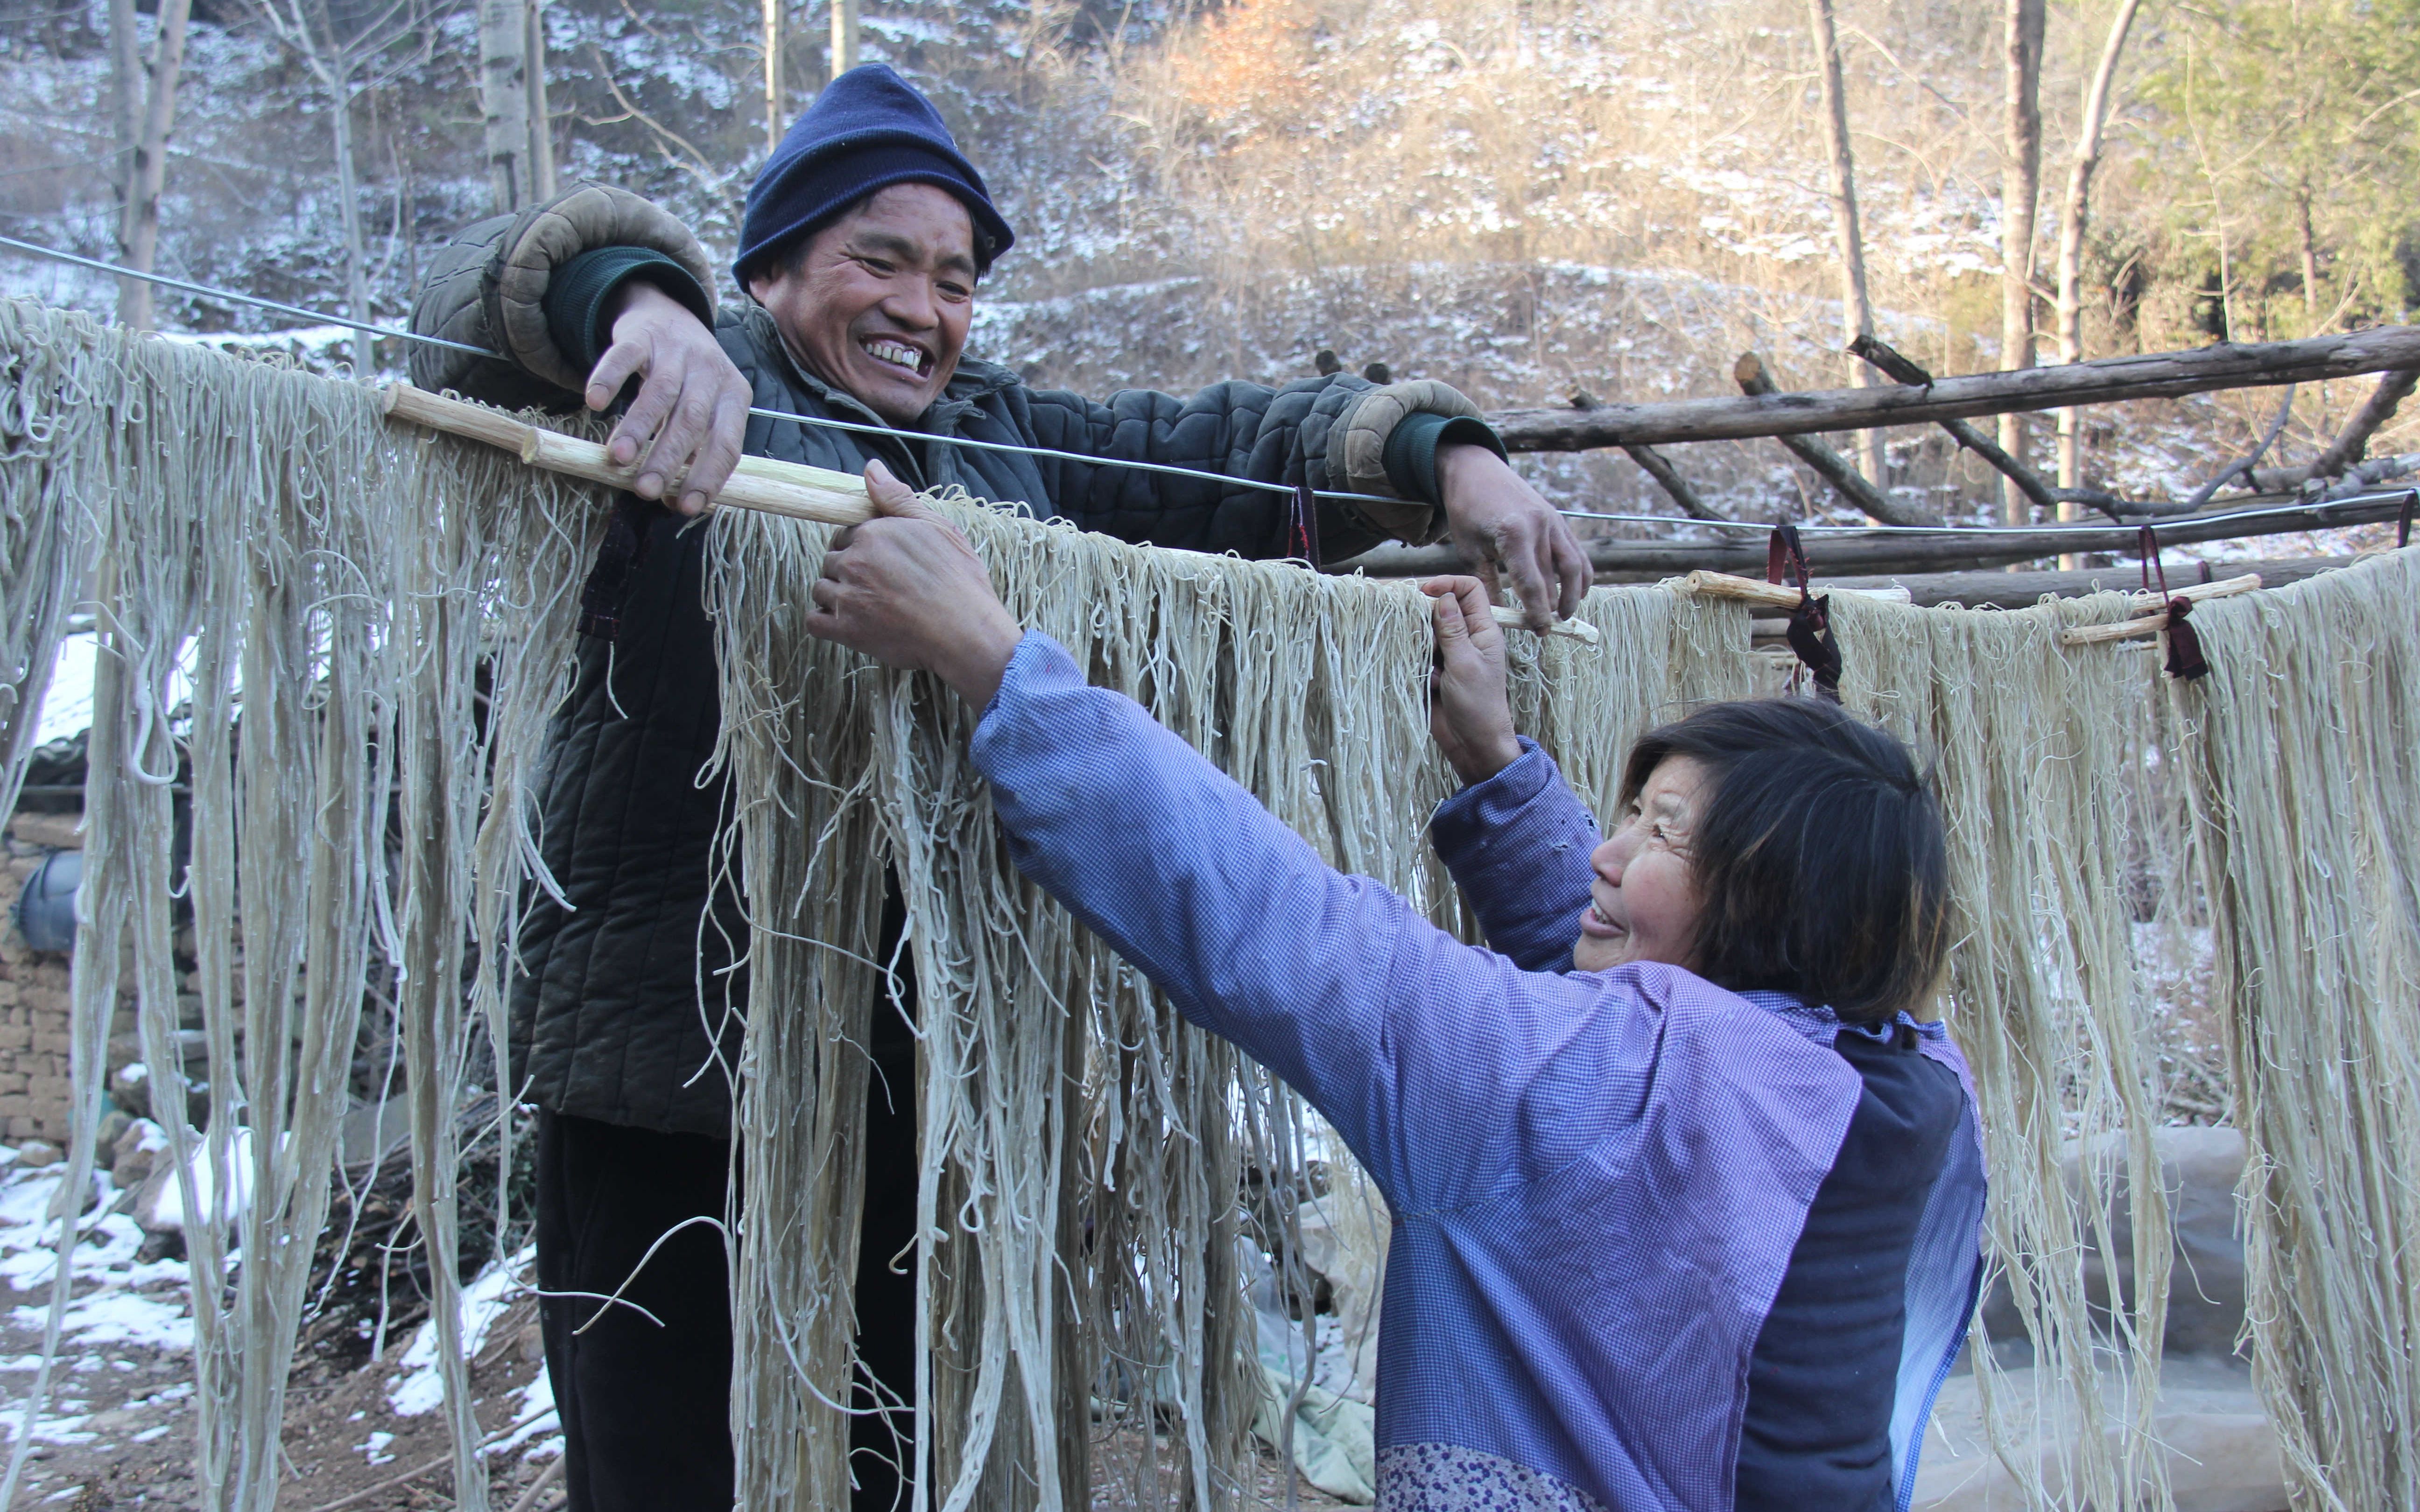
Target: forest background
1542	202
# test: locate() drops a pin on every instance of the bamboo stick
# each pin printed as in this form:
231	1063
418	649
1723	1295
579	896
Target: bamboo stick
791	489
2087	634
1580	630
759	483
1772	595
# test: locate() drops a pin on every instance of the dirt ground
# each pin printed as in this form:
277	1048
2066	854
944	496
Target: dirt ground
118	1426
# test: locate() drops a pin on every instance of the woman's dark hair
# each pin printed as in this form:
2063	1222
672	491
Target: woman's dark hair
1818	852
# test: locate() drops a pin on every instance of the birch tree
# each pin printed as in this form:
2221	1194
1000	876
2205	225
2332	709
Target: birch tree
348	47
1857	310
512	98
2074	220
774	26
144	94
844	37
2020	189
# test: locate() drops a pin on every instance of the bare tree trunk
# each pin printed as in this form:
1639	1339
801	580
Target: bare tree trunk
2074	220
2310	249
1857	310
541	118
504	98
773	29
844	37
126	120
145	118
2020	187
357	287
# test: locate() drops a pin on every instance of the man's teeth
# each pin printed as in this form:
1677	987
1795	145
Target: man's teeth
1600	916
892	351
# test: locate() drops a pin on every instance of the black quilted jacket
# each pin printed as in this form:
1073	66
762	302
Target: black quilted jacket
624	997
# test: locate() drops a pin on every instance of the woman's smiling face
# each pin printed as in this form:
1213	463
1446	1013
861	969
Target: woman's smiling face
1644	903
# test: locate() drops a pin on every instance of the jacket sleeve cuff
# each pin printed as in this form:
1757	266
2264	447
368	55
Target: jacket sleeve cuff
1517	844
1410	457
581	294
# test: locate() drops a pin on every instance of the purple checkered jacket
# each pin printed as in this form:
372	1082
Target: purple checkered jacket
1597	1179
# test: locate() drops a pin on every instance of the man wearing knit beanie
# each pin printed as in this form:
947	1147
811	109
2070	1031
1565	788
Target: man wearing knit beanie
865	238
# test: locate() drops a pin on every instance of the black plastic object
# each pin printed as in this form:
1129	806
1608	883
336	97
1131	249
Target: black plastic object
46	909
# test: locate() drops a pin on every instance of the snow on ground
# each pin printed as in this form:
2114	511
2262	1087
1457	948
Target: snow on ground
417	1387
116	1298
125	1317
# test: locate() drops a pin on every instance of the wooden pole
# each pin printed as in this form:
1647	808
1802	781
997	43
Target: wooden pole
2102	381
2352	444
1830	465
1900	370
1659	467
1880	551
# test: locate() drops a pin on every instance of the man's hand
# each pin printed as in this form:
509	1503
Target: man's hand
691	413
1470	713
1505	529
907	588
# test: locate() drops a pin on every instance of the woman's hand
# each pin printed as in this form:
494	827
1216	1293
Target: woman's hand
907	588
1470	713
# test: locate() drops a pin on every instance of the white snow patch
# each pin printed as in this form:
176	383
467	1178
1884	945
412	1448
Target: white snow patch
118	1302
419	1388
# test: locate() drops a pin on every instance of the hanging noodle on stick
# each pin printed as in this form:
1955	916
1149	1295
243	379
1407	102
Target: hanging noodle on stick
376	622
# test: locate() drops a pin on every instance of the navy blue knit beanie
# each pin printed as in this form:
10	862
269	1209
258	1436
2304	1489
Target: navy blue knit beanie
867	130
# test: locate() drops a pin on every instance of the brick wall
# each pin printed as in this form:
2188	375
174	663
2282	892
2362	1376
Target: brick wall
33	995
33	1048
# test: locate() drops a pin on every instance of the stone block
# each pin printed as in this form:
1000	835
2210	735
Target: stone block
55	831
16	1036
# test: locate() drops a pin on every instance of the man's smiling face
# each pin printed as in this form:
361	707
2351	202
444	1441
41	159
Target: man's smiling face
877	303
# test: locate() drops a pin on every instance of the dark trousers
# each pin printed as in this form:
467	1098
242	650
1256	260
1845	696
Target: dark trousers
647	1411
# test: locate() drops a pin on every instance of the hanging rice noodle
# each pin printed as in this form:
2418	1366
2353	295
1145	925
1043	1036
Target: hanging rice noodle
376	626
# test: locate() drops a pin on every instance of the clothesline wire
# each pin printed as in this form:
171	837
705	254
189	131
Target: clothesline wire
1224	479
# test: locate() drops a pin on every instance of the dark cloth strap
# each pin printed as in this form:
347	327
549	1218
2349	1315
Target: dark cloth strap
1302	529
1809	631
2185	658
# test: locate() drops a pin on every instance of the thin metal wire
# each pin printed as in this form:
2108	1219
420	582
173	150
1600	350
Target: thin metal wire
1222	479
98	266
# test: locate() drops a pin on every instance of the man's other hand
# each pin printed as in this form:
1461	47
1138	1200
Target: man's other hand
907	588
686	427
1510	536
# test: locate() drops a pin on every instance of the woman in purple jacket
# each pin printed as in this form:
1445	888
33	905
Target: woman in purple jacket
1686	1204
